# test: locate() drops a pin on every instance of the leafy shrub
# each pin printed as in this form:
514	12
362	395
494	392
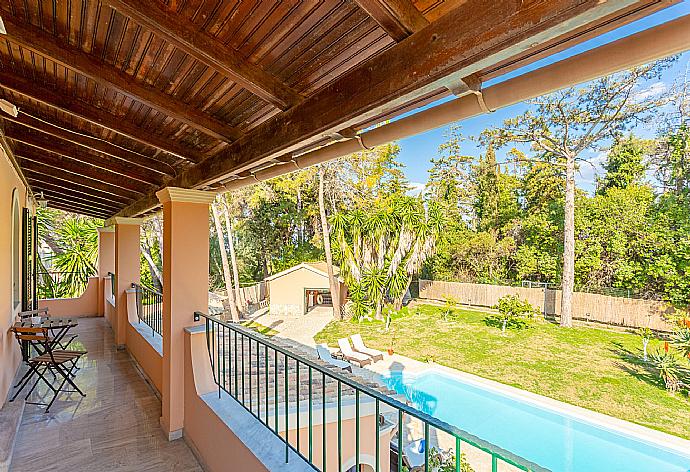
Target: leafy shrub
446	462
512	313
448	307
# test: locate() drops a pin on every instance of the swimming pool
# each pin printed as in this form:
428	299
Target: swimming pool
540	434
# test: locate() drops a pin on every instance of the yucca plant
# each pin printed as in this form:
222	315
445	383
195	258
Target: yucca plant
681	341
668	368
78	241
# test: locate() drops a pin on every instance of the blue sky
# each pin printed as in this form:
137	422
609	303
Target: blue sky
416	151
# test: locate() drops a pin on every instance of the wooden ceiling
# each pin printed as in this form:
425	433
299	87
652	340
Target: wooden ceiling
119	98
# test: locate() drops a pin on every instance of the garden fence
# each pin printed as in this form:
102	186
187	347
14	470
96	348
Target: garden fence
627	312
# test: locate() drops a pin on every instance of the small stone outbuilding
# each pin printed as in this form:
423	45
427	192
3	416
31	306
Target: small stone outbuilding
299	289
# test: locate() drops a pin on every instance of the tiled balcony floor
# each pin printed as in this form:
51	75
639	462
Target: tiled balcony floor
115	427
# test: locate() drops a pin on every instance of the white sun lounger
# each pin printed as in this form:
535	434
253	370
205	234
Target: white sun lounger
325	355
414	454
359	346
351	355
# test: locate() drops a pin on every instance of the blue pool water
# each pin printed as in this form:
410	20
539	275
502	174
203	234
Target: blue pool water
543	436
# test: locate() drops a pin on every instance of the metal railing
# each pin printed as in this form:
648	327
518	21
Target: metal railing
61	284
150	307
270	382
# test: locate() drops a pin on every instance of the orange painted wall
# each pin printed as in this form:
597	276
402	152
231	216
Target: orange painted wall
206	433
185	279
150	360
9	349
86	305
106	263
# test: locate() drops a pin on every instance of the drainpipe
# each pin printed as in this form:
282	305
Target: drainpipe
641	48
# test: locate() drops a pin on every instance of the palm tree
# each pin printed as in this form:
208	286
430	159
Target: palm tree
77	241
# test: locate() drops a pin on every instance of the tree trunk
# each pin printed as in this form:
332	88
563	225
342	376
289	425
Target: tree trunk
332	282
158	228
568	278
226	266
241	303
156	277
399	301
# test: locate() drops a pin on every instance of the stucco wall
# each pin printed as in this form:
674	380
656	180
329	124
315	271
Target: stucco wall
141	346
86	305
287	292
9	350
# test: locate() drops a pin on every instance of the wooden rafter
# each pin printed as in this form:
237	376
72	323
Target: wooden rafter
48	46
66	199
205	49
91	143
105	164
73	208
41	180
81	175
77	167
95	115
43	187
432	58
399	18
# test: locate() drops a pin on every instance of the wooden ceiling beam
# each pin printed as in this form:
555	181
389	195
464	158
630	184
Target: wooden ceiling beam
57	196
456	45
91	143
66	192
97	116
78	167
105	75
42	180
79	174
225	60
105	164
78	210
399	18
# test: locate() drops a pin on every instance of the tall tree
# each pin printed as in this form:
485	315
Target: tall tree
449	175
227	275
494	194
625	164
569	122
233	256
325	231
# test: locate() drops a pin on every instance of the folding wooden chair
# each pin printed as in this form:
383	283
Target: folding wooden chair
59	362
43	312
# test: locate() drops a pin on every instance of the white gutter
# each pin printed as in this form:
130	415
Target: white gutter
641	48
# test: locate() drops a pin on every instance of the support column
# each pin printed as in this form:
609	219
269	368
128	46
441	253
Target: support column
185	289
106	262
127	270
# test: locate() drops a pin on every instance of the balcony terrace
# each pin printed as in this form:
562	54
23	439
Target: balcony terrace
117	109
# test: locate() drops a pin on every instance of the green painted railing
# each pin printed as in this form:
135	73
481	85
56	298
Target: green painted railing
150	307
237	366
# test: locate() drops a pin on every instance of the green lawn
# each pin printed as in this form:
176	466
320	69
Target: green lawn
598	369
